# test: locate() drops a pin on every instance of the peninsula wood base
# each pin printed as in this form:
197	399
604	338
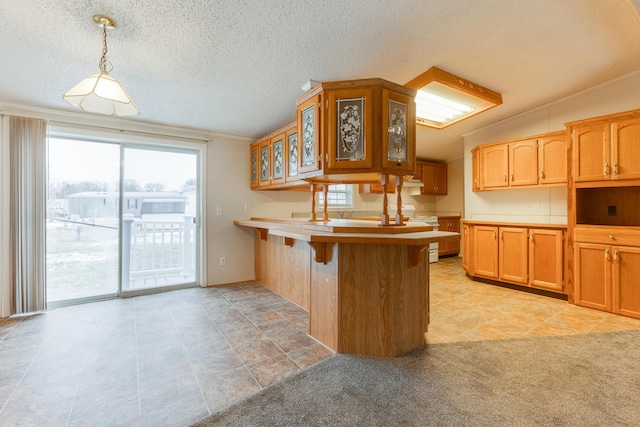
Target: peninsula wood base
362	298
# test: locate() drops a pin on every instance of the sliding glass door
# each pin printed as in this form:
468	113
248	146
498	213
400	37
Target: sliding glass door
83	181
159	218
121	219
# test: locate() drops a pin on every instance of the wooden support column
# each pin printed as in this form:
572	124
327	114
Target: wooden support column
384	220
399	217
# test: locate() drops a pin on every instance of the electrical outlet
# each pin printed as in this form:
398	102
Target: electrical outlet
223	261
219	211
246	207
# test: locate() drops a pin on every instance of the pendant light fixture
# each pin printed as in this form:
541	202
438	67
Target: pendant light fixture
101	93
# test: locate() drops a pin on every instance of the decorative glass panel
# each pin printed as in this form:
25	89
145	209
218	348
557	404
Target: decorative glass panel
264	164
397	131
254	166
350	129
278	166
293	154
308	136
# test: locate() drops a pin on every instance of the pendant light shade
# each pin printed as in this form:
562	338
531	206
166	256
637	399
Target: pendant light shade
101	93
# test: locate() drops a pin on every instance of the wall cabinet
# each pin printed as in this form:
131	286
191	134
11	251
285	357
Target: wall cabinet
449	223
434	178
274	161
356	127
521	254
606	149
535	161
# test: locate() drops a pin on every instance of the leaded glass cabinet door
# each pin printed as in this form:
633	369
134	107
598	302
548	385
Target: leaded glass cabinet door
398	137
291	139
350	127
309	154
254	164
264	153
277	159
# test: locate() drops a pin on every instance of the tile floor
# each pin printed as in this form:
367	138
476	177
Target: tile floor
171	359
464	310
167	359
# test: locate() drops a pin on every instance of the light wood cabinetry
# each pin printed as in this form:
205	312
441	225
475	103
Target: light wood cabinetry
606	149
530	162
274	161
607	274
433	177
476	170
495	165
466	238
604	212
356	127
546	260
449	223
485	251
512	251
523	254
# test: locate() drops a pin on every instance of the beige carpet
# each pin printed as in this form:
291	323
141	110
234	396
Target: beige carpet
578	380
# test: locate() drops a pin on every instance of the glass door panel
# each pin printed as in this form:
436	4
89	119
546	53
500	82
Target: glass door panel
83	181
159	218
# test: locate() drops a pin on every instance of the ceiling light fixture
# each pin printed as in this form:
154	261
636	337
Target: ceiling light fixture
101	93
444	99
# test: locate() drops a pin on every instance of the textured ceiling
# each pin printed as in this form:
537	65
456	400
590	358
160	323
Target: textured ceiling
236	66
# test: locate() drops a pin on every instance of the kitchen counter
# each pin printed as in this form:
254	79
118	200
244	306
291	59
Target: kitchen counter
366	287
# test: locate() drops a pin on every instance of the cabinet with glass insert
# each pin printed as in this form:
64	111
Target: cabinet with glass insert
356	127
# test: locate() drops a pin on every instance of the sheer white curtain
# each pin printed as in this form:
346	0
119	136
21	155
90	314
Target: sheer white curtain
27	148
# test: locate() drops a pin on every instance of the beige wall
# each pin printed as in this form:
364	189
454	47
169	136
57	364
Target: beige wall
541	205
454	200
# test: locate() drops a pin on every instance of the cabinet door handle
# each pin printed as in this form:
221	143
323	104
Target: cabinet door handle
615	168
612	237
494	234
606	255
606	169
501	236
541	174
505	178
615	256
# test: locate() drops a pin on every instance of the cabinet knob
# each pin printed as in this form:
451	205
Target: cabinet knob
505	178
541	174
615	168
612	237
511	177
606	169
615	255
606	255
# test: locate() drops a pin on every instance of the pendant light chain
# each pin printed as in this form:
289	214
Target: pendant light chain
103	59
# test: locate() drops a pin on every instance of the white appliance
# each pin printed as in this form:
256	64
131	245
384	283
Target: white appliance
432	221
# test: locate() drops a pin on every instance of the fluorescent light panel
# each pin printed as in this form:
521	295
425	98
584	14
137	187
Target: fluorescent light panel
444	99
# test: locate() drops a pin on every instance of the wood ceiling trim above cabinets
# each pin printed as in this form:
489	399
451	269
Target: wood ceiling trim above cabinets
534	161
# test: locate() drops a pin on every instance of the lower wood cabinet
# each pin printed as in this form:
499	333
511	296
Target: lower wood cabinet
607	278
449	224
524	255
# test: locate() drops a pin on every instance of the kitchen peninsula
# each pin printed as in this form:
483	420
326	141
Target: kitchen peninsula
366	287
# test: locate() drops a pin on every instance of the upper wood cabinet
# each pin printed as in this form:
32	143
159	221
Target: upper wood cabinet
606	149
274	161
433	177
535	161
552	158
356	127
495	165
254	168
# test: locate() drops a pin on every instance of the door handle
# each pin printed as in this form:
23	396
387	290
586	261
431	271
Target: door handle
615	168
606	169
606	255
615	256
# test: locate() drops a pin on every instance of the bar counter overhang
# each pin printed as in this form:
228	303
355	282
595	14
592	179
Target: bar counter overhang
365	286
